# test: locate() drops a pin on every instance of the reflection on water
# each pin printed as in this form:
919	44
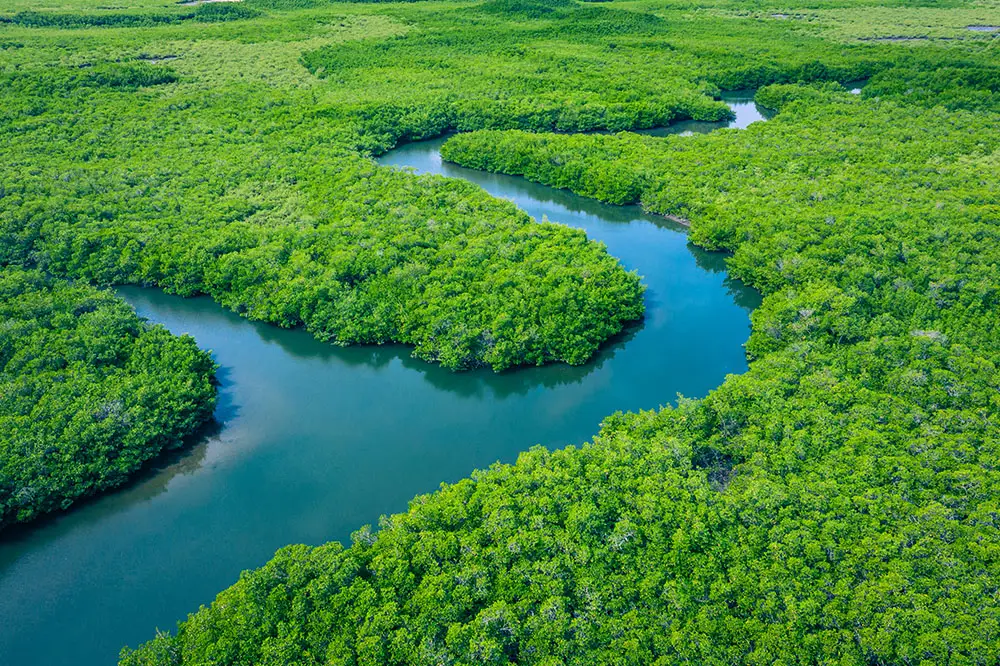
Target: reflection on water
740	101
314	440
855	87
152	480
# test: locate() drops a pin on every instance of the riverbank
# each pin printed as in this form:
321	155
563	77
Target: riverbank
316	440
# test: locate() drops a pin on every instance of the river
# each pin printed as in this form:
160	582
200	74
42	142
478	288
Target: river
313	441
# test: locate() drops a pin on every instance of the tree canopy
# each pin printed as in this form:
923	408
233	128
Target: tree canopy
88	392
836	504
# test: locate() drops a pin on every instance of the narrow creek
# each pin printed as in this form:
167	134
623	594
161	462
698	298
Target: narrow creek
314	441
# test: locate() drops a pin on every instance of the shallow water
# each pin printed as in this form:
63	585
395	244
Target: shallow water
314	441
740	101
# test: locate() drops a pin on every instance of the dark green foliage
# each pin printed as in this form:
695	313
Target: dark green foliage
589	165
88	393
288	4
818	231
128	76
290	225
209	12
36	91
524	8
224	11
33	19
545	88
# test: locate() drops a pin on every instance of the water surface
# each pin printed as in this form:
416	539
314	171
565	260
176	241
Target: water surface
740	101
314	441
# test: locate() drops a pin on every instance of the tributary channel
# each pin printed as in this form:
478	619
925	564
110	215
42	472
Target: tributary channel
314	441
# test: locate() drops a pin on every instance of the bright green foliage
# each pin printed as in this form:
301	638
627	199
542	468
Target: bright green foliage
260	198
858	522
832	506
88	392
201	175
837	504
776	96
862	217
558	65
954	86
464	278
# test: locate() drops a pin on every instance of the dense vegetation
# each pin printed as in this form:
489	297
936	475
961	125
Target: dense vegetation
837	209
205	182
206	12
88	392
833	506
838	503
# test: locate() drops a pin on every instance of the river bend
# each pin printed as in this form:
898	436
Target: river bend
314	441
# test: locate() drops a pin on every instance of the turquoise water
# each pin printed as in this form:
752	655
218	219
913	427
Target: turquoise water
313	441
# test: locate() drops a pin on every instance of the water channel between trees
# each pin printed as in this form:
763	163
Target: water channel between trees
314	441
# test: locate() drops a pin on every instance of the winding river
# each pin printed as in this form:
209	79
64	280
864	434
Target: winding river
313	441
